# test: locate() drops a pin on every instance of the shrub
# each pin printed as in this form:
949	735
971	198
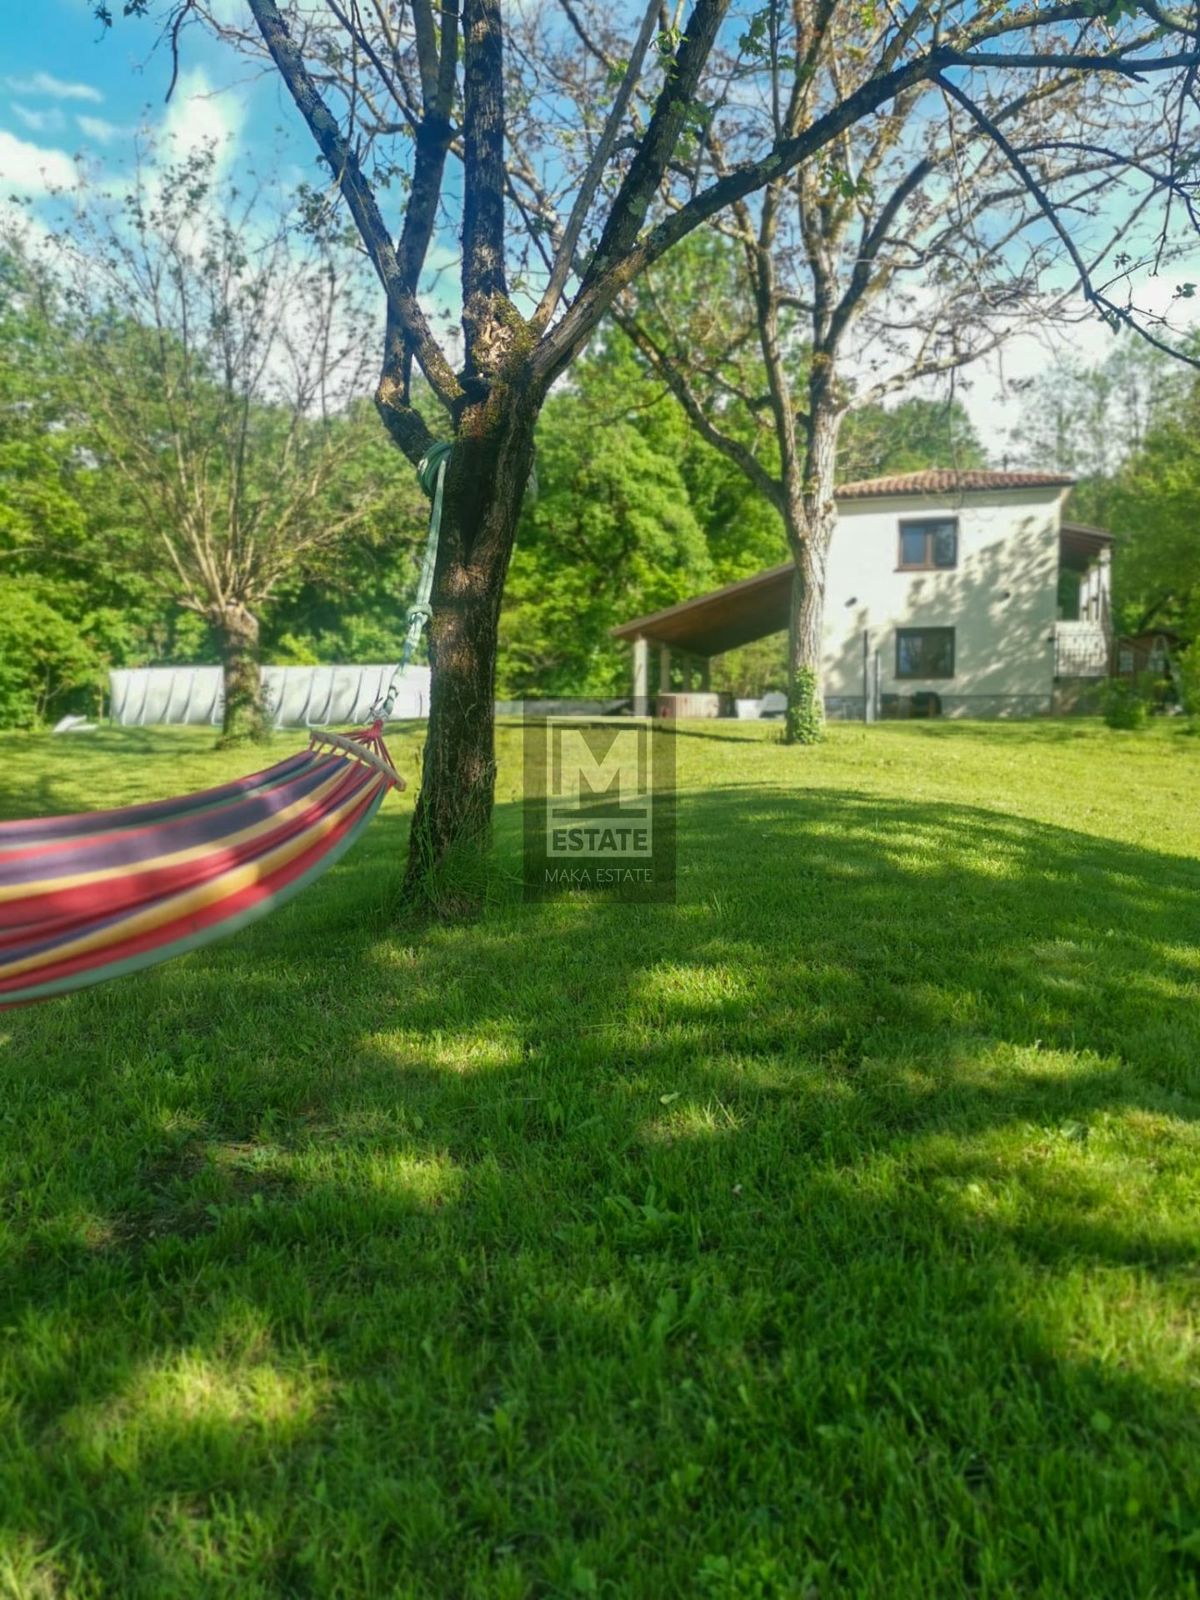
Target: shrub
43	659
1188	665
1123	703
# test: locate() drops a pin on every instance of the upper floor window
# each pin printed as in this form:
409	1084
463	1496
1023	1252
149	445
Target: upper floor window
929	544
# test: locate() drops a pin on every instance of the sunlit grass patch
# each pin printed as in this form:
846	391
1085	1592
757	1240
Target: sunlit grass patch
190	1393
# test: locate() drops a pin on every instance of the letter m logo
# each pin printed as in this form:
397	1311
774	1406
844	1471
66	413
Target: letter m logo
598	771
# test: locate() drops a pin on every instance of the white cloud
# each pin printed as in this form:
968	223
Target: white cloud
97	128
49	121
29	169
199	116
44	83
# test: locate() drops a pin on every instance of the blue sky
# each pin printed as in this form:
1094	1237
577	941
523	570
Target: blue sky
68	87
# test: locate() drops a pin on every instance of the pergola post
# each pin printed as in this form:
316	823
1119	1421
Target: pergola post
641	676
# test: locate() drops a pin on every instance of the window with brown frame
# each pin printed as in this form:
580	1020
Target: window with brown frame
924	652
928	545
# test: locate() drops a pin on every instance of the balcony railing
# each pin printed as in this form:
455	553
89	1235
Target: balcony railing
1081	650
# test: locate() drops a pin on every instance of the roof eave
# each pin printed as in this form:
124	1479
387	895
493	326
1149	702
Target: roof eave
952	492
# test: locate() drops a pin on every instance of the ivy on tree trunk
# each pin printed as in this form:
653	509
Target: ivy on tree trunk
237	635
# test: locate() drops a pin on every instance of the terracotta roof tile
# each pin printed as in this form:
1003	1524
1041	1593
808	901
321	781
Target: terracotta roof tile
945	480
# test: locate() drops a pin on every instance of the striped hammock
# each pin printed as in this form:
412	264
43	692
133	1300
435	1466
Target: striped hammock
93	896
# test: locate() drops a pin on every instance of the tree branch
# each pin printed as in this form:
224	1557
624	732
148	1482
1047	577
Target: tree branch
657	145
360	198
564	259
483	277
1107	306
672	375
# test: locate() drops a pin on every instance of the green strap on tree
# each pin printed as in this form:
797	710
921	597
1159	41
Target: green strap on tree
431	472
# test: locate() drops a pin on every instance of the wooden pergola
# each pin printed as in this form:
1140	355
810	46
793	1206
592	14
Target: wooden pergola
709	625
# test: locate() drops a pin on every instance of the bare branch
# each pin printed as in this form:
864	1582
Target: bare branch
359	197
1103	302
564	259
483	275
672	374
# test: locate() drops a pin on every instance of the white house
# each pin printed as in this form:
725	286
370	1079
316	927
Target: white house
959	593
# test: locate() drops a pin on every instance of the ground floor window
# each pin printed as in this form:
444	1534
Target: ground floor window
924	652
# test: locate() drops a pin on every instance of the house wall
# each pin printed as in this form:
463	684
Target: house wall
1000	599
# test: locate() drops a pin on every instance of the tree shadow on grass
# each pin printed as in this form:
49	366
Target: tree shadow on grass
832	1225
764	729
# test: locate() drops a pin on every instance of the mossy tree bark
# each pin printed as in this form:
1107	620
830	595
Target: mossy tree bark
804	721
810	516
245	716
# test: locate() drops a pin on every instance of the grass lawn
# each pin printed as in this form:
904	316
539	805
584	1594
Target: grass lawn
834	1232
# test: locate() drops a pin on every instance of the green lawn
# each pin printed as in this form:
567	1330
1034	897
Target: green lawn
834	1232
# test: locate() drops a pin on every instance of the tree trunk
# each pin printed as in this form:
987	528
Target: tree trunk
485	484
805	719
811	516
809	538
237	634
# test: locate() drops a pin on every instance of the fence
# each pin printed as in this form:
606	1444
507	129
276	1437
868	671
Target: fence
296	697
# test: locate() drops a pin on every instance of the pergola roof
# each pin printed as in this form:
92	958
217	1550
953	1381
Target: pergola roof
723	619
1080	545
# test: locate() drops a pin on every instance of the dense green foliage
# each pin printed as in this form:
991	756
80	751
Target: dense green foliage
1130	430
830	1232
915	434
1156	501
70	607
44	656
632	513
